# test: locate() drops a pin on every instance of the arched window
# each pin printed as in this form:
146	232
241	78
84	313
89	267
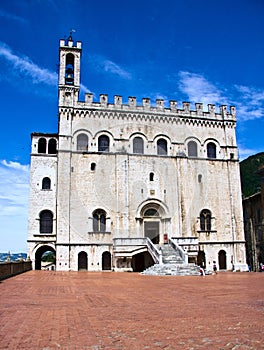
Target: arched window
46	183
42	145
99	220
82	142
192	149
211	150
151	176
205	220
46	221
52	146
103	143
151	212
138	145
162	147
69	71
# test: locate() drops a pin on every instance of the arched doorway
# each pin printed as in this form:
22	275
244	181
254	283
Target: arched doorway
141	261
222	260
201	261
41	252
106	261
82	261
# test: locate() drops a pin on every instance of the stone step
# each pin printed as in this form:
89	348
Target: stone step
173	270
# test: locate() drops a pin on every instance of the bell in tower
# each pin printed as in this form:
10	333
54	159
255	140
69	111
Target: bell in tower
69	70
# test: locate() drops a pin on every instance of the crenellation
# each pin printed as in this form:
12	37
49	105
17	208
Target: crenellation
104	100
173	105
199	108
186	107
159	103
132	101
118	100
146	103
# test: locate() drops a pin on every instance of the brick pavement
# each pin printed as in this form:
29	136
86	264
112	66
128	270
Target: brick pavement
78	310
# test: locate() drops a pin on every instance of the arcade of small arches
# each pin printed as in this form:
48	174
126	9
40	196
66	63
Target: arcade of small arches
138	146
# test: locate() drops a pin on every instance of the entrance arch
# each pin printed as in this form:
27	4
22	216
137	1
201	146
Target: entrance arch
222	260
106	261
39	253
154	220
82	261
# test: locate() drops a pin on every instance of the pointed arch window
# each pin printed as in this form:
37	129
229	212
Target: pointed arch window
52	146
99	220
162	147
103	143
138	145
46	221
42	145
82	142
211	150
46	183
205	220
192	149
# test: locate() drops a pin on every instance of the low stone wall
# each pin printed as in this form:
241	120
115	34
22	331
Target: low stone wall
12	268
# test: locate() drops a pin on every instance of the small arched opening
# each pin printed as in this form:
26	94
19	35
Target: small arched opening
52	146
106	261
141	262
42	145
201	260
82	261
222	260
45	256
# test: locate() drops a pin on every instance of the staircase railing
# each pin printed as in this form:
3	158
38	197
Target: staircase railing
154	251
182	253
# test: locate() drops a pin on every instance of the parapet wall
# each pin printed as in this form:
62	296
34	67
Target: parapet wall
13	268
146	106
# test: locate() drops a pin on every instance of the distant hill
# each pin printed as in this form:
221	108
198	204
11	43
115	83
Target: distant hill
250	181
13	257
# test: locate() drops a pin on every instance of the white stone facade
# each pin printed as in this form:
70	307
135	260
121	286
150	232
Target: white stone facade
125	172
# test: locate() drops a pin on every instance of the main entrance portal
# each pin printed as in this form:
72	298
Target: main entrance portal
151	229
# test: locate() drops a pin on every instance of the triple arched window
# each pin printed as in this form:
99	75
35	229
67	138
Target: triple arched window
46	221
99	220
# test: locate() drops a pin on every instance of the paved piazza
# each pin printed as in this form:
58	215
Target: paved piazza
88	310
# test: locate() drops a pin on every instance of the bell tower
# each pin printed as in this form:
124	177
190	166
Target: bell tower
69	71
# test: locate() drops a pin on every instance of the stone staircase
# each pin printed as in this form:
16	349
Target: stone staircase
172	264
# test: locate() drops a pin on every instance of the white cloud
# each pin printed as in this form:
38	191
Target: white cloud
249	101
22	65
199	89
14	192
101	63
13	17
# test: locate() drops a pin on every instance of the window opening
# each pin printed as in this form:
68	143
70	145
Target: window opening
103	143
151	177
211	150
46	183
42	145
162	147
82	142
69	71
93	166
46	221
138	145
192	149
52	146
99	221
205	220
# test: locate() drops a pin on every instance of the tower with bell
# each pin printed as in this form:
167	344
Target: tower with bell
69	73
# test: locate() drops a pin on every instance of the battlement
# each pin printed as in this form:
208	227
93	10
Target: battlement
70	43
159	107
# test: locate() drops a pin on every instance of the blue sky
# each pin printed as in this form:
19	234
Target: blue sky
209	51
